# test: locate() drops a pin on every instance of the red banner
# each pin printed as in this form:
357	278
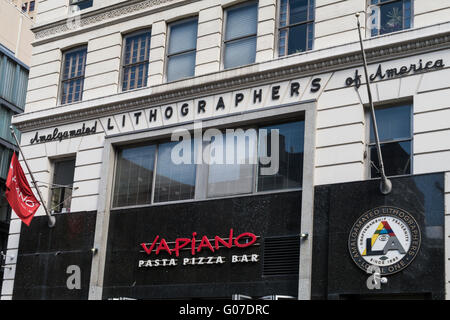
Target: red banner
19	194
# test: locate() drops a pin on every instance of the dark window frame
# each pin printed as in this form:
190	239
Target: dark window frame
393	140
82	4
202	170
157	144
145	62
225	41
119	148
310	28
64	97
53	186
32	6
377	32
179	53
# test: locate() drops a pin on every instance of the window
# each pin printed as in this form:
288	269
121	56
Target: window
62	186
290	150
395	131
239	178
82	4
232	165
14	80
390	16
5	160
227	177
182	49
135	60
134	175
240	35
173	181
74	63
5	212
24	6
296	26
32	6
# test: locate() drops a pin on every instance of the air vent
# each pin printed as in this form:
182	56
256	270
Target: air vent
281	256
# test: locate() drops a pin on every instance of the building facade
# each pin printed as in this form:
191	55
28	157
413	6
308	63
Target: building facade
15	33
298	214
27	7
13	88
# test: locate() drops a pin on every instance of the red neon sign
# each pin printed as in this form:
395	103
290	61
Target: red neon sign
205	243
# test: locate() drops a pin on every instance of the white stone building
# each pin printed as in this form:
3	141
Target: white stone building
120	73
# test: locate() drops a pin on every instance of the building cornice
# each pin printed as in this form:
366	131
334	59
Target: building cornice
96	19
350	57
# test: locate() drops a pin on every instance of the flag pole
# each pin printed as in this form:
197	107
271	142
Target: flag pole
51	219
386	184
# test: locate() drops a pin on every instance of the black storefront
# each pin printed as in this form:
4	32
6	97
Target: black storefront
274	220
268	266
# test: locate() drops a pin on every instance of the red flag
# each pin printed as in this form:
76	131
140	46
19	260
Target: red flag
19	194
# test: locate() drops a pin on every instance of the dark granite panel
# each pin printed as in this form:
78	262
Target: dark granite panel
264	215
45	254
339	206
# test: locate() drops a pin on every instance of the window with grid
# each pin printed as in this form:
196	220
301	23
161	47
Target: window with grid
74	64
182	49
296	26
240	35
389	16
395	132
147	173
62	186
32	6
135	60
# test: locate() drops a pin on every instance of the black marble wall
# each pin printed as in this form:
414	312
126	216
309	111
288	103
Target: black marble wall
336	209
45	254
264	215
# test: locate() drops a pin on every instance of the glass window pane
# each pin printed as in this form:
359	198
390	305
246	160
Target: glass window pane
135	76
282	41
232	173
396	159
174	181
298	11
241	21
407	14
4	207
290	150
297	39
310	35
283	13
181	66
74	67
311	10
137	48
64	172
391	17
134	175
183	36
61	191
85	4
240	52
392	123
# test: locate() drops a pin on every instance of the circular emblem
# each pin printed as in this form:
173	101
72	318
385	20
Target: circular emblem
386	237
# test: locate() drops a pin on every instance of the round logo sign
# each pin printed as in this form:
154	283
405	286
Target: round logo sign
386	237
